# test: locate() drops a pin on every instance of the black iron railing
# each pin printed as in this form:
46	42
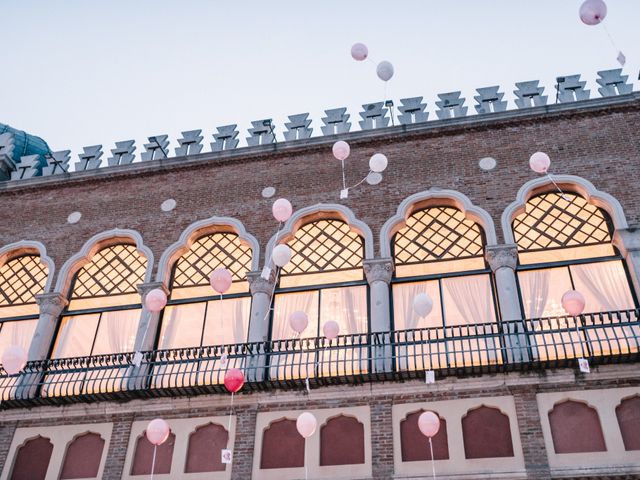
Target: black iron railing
611	337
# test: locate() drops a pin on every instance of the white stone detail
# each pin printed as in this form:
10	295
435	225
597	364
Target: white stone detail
168	205
74	217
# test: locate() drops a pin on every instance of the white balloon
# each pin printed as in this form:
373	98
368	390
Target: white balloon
281	255
359	52
378	162
374	178
306	424
422	304
539	162
384	71
341	150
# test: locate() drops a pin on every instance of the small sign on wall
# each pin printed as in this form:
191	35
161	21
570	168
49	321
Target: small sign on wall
583	364
429	376
226	456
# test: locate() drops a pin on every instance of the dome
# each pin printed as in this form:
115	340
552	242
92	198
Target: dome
24	143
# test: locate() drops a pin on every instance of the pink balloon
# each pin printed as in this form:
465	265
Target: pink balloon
155	300
341	150
158	431
359	52
221	280
298	321
592	12
429	424
282	209
306	424
331	329
14	359
573	302
539	162
234	380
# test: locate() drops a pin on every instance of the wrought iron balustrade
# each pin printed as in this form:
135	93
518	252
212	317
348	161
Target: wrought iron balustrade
610	337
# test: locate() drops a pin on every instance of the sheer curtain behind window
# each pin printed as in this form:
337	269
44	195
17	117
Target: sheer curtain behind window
604	286
227	321
117	332
76	335
404	316
17	333
287	303
347	306
182	326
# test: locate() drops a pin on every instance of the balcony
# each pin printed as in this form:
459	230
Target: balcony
602	338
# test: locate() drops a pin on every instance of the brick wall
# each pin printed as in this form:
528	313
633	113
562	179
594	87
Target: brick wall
600	144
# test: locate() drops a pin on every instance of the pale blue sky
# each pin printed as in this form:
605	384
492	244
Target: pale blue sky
80	72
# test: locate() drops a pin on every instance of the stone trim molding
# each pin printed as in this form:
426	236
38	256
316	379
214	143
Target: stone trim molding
456	199
577	185
195	231
615	460
182	428
453	411
60	436
92	246
29	246
321	211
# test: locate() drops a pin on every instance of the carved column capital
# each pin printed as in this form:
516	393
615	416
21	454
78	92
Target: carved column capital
51	303
501	256
378	270
258	284
145	288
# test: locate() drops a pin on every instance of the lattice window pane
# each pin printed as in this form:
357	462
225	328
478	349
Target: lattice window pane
324	246
113	270
21	279
208	253
436	234
552	220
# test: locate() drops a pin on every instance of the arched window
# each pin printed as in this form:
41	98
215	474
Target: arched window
342	441
282	445
196	315
104	305
415	446
575	428
564	243
628	415
486	433
21	279
204	453
83	457
440	252
324	279
143	456
32	460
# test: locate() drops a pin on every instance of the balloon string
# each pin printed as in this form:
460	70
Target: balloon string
564	197
153	462
613	44
433	460
306	472
344	179
230	414
275	281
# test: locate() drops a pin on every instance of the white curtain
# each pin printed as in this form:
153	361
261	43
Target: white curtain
227	321
404	316
287	303
347	306
17	333
534	287
117	332
604	286
182	326
76	336
468	300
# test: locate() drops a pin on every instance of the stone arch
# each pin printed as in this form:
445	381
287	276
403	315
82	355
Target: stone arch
27	247
202	456
573	183
419	200
282	445
628	415
342	441
575	427
414	445
322	211
32	458
92	246
196	230
486	433
83	456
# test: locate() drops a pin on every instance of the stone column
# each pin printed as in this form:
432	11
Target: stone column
51	306
136	377
628	242
261	297
503	260
378	272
